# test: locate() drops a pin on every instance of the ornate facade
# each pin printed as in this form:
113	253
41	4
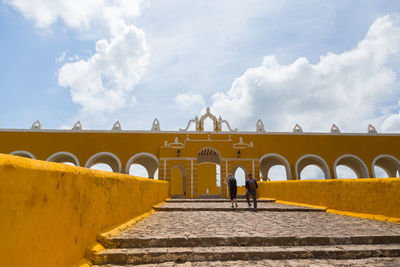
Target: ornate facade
187	158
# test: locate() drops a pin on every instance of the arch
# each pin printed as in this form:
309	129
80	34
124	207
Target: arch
237	167
344	172
147	160
389	163
183	173
62	157
271	159
208	154
23	153
239	181
354	163
312	159
106	158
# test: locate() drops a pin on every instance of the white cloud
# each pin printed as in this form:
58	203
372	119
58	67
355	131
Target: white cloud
80	14
103	82
348	89
190	101
62	57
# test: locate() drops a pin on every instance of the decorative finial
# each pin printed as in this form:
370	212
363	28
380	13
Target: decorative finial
36	125
297	129
156	126
117	126
371	129
260	127
77	126
334	129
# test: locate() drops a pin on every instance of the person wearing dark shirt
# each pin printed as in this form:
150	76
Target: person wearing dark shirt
232	189
251	189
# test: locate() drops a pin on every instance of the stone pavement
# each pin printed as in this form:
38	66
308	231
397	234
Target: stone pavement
286	236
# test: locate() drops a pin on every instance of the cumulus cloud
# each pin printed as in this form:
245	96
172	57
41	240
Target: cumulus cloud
103	82
190	101
349	89
80	14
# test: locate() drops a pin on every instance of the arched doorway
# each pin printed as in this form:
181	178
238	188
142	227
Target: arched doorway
103	160
239	172
275	167
23	153
178	182
64	157
147	160
208	173
385	166
312	165
353	163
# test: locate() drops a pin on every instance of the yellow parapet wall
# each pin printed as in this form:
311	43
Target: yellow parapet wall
367	196
50	213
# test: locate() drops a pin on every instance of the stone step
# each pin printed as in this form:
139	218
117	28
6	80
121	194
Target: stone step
212	241
224	206
366	262
242	209
224	253
203	200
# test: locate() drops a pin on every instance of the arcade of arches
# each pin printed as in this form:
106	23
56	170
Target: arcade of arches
196	162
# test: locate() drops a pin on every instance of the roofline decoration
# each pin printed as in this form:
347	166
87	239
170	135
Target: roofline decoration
217	123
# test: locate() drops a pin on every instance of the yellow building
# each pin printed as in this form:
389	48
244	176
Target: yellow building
190	159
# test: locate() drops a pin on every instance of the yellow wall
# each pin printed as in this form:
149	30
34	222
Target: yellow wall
372	196
207	179
50	213
176	182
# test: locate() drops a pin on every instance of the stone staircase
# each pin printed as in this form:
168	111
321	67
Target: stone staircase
205	232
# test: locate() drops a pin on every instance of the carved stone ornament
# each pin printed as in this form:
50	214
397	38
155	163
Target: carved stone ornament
220	120
334	129
297	129
260	127
117	126
36	125
156	126
242	145
175	144
199	123
77	126
371	129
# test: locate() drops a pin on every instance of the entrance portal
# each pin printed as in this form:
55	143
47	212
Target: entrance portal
208	173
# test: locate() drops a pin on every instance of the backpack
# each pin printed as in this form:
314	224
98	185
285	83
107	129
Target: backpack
252	185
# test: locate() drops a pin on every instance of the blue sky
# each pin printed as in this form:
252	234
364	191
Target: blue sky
247	60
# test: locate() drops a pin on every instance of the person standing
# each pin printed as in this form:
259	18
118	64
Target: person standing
232	184
251	189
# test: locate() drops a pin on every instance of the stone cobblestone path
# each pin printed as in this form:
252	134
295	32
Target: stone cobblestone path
211	233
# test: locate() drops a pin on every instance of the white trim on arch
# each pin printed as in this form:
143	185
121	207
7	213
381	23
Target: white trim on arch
129	163
23	152
63	153
327	174
384	156
364	171
285	163
137	155
99	155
